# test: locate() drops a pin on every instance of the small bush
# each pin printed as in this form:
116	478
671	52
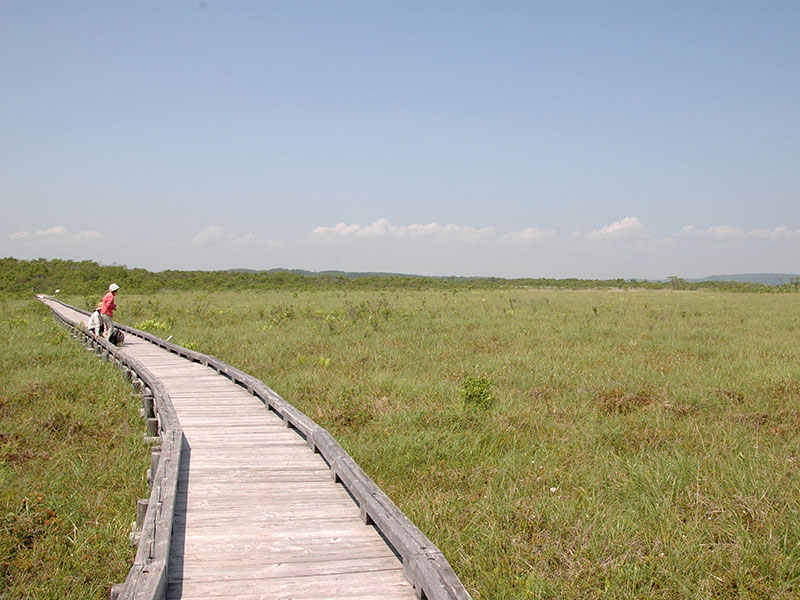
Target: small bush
476	392
188	345
280	313
152	326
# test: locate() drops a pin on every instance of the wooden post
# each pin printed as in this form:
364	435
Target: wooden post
141	510
135	534
155	456
147	406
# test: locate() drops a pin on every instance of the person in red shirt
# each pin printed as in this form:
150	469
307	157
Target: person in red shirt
107	309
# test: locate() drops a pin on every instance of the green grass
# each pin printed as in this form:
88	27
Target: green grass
634	444
72	462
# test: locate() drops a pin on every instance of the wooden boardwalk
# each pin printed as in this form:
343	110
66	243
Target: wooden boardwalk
258	515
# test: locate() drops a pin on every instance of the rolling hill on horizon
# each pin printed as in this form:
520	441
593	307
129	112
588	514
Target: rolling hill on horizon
762	278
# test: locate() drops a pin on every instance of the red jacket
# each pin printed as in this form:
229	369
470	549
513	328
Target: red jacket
108	307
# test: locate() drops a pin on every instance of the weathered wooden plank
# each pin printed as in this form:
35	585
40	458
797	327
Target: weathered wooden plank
261	488
198	403
272	476
232	570
205	378
221	405
211	383
215	384
379	584
242	477
244	446
244	425
309	482
246	536
218	445
308	556
310	512
311	550
195	564
246	499
211	466
220	411
208	396
263	464
247	415
272	596
252	435
275	436
200	375
280	460
248	418
228	510
217	399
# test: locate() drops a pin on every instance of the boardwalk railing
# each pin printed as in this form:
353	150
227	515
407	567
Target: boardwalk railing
147	579
424	564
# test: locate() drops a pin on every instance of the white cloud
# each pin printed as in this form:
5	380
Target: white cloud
89	236
724	232
721	233
717	232
382	228
629	228
59	233
215	235
527	236
778	233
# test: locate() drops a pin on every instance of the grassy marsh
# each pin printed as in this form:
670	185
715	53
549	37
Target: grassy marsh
72	462
636	444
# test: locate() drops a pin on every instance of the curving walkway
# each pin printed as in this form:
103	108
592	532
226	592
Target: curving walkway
258	515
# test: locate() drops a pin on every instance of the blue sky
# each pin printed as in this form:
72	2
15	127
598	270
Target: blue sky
515	139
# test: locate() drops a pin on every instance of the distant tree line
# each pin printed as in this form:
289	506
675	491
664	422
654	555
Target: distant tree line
88	277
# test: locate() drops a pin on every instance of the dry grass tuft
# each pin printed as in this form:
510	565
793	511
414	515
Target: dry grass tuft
624	401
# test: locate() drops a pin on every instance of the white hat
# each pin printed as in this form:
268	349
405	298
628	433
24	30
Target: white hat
113	287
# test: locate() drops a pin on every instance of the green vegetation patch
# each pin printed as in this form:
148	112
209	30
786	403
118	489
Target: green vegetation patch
72	462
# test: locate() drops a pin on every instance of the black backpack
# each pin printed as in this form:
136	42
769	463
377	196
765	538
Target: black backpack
116	337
